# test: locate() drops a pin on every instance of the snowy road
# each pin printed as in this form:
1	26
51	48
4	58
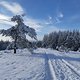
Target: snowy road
44	64
63	68
64	72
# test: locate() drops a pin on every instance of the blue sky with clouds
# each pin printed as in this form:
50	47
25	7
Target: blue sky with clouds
44	16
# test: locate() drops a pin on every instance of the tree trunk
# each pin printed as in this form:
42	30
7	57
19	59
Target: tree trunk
15	46
14	51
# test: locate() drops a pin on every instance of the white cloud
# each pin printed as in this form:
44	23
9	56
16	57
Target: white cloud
4	17
28	21
59	17
14	7
49	20
57	20
6	20
60	14
36	24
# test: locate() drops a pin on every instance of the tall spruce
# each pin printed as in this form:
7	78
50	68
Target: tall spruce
67	39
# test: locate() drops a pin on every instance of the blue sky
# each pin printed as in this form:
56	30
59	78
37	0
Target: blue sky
44	16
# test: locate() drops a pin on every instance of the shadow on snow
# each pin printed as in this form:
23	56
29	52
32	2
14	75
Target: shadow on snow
52	56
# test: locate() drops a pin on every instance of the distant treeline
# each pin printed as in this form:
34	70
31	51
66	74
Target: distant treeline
8	45
62	39
4	44
66	40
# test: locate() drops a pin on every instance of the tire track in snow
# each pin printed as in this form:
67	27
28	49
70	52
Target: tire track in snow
50	68
72	67
64	72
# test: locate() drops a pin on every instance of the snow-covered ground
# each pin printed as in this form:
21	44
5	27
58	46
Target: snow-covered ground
43	64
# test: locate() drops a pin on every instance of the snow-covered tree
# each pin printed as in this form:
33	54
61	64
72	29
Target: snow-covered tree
62	40
19	31
45	41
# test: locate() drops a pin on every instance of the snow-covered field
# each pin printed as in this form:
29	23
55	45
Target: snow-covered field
43	64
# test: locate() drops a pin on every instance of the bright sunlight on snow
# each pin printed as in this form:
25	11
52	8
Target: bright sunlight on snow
43	64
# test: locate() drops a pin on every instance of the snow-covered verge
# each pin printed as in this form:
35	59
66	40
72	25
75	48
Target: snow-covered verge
43	64
21	66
